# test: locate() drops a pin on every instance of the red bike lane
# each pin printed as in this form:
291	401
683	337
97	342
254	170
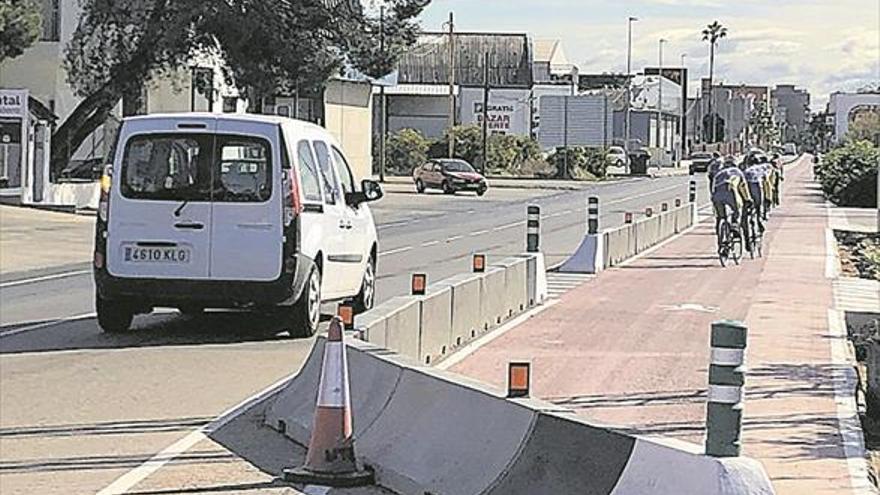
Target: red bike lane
631	348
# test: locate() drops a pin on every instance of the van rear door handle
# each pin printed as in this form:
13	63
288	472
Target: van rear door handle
189	226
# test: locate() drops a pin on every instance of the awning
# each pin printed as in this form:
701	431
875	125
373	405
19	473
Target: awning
420	90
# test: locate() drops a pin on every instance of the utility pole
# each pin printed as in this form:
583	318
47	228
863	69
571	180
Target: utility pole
485	111
683	121
660	135
566	174
383	111
451	123
626	120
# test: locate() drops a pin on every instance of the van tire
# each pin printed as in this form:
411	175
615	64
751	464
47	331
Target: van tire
305	314
366	298
113	317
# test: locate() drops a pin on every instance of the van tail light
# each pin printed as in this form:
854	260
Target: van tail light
295	204
104	203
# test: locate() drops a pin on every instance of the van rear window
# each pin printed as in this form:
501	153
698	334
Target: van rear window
197	167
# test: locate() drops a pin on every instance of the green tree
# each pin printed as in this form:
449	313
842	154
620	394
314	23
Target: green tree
267	46
712	34
406	150
20	26
762	127
865	127
848	174
468	144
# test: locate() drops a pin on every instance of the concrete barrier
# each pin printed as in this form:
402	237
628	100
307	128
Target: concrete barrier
492	307
428	431
467	320
536	278
435	323
402	332
515	298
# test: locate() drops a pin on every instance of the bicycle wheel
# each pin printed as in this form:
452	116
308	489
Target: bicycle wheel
736	246
723	242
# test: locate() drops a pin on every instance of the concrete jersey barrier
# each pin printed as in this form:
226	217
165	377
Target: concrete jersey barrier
428	431
457	310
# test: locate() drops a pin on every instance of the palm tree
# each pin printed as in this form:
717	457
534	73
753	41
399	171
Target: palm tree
713	33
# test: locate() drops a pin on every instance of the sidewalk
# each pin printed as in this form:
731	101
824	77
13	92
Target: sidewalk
38	240
631	348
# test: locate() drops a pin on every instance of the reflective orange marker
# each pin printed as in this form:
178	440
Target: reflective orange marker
664	207
479	263
627	217
518	379
677	203
419	283
346	313
649	212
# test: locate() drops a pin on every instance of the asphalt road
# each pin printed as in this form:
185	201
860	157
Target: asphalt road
79	408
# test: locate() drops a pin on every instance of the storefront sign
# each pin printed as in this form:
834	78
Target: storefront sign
13	102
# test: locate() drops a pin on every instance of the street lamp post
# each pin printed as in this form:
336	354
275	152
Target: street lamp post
660	133
626	123
682	146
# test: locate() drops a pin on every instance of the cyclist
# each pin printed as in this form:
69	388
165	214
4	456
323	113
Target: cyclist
756	178
714	166
730	191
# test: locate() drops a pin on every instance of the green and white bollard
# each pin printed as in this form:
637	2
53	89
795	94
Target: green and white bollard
726	380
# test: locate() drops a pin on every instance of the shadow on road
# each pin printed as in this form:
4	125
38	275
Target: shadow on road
153	330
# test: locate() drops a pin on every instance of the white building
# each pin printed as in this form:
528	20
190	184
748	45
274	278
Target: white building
845	107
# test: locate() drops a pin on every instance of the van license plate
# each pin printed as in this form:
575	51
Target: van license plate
172	255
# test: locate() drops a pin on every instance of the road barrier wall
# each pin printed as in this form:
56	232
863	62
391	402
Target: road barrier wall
457	310
627	241
427	431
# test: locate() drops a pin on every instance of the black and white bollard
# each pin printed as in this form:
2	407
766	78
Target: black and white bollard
533	229
724	410
692	195
593	215
589	256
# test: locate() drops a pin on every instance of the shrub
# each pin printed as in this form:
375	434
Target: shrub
848	174
468	144
583	163
405	150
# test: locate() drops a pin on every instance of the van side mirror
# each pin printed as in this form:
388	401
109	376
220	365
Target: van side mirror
370	191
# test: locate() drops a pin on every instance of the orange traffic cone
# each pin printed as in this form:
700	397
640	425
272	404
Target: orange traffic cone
331	460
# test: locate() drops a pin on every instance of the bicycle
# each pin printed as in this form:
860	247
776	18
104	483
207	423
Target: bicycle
730	245
754	233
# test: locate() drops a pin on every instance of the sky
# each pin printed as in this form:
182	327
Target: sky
824	46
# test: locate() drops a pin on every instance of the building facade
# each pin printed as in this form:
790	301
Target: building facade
796	103
844	108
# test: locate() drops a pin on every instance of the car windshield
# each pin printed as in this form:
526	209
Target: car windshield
457	166
614	150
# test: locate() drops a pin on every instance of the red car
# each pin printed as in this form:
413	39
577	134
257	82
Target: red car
450	176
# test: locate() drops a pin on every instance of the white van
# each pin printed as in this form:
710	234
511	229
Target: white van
231	211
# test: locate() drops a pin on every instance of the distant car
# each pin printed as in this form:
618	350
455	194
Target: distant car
617	156
450	176
700	161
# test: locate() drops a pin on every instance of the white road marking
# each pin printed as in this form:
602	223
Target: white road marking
455	238
396	251
650	193
430	243
33	280
507	226
45	324
459	355
479	232
845	383
128	480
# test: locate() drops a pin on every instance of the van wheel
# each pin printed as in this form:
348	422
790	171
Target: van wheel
366	298
113	317
420	186
306	312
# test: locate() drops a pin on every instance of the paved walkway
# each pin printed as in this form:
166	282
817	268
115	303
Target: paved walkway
631	347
